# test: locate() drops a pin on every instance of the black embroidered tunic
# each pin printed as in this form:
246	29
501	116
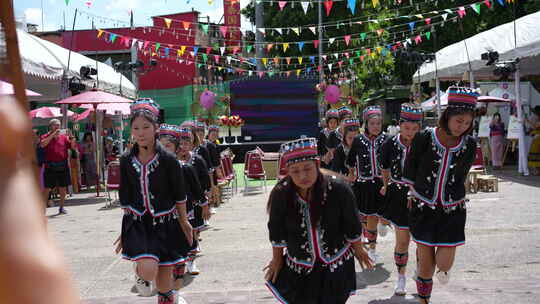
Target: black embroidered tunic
339	163
335	139
365	156
318	254
438	173
149	194
393	155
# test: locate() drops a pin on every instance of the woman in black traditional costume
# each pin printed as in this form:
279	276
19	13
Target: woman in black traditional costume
436	169
323	141
156	233
363	162
394	152
339	163
201	210
314	217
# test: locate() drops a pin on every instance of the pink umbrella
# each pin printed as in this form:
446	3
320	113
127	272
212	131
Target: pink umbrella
95	98
111	108
47	112
6	88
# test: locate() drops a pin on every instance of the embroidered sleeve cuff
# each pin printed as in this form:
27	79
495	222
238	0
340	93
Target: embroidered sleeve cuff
354	240
203	203
280	244
182	202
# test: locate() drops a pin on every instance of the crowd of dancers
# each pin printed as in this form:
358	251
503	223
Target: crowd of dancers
345	188
340	193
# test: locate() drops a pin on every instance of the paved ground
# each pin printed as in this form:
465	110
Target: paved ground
499	264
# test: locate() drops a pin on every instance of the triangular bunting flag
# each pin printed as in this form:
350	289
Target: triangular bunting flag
312	58
476	7
428	35
288	59
347	54
296	30
411	25
298	72
300	45
235	50
269	47
331	40
279	30
362	58
351	61
192	54
328	5
379	49
330	66
249	47
319	68
316	43
182	49
380	32
428	21
261	30
288	73
261	74
222	50
265	61
352	5
216	58
282	4
357	53
229	59
186	25
375	3
347	39
444	16
204	28
285	46
146	43
418	39
113	37
501	2
313	30
156	46
208	50
223	29
461	12
488	3
324	57
340	63
100	32
140	45
168	22
336	55
419	16
250	73
363	36
305	6
204	57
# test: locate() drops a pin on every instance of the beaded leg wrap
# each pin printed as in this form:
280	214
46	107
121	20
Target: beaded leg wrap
401	259
166	298
178	271
371	236
424	287
363	219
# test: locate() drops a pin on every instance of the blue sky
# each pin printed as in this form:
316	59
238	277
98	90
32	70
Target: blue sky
54	10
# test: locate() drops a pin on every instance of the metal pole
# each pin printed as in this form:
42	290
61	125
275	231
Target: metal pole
64	86
522	158
259	38
437	80
134	77
321	73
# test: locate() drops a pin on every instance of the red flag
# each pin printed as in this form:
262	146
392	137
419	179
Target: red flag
347	39
316	43
428	20
328	5
488	3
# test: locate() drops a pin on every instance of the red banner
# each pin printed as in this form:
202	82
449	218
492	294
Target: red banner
232	22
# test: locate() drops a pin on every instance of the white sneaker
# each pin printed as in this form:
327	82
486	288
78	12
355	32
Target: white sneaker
191	268
443	277
400	286
179	300
144	288
383	229
372	254
213	210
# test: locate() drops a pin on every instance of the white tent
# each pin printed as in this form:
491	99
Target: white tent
452	61
44	64
431	103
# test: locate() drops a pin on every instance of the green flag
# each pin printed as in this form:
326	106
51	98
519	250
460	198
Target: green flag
205	28
428	35
249	47
363	36
204	57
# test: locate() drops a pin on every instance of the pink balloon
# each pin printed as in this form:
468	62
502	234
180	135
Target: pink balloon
332	94
208	98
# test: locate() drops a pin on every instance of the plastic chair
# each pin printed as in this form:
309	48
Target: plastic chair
255	170
112	182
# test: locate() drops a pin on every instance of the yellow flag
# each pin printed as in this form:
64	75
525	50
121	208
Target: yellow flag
167	22
379	49
220	68
300	60
100	32
298	72
210	2
265	60
179	53
375	3
285	47
182	49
